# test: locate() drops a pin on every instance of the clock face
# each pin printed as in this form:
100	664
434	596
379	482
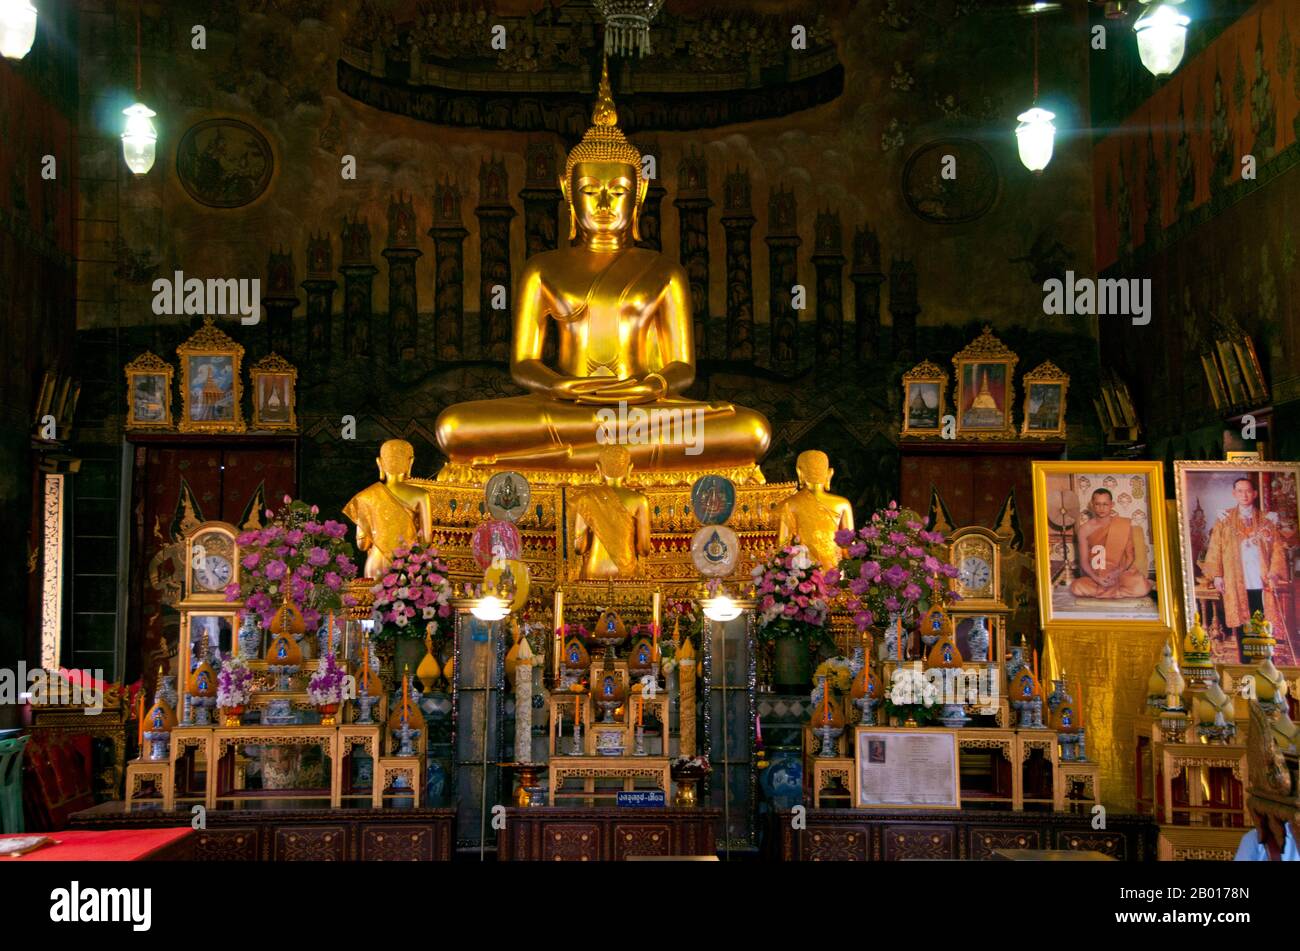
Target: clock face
975	568
210	560
974	573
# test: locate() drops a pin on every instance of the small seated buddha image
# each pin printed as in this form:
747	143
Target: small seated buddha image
625	348
813	515
612	523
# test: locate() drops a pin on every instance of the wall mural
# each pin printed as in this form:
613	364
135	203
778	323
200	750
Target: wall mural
224	163
1172	207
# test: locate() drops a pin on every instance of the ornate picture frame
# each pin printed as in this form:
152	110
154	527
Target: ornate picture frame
1214	380
211	386
1044	408
274	384
1069	594
985	388
1251	369
1205	493
924	388
1238	394
149	393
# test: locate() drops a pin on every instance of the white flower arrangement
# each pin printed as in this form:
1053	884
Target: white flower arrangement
234	683
910	686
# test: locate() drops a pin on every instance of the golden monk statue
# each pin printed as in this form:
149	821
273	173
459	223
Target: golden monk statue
392	512
1116	571
612	529
812	514
624	328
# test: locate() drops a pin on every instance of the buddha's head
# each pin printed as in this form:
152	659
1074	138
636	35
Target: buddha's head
814	468
396	456
614	463
602	180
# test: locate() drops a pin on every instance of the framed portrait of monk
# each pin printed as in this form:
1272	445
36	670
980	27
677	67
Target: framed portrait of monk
1102	549
1239	531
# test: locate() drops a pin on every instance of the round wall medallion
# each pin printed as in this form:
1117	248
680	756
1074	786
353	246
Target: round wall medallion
715	550
950	181
224	163
713	497
507	495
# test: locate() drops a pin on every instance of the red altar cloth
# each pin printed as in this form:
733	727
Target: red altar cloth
113	845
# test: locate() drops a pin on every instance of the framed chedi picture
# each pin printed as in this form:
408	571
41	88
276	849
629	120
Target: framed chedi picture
274	381
923	393
1102	549
211	390
1239	532
985	388
1045	388
149	393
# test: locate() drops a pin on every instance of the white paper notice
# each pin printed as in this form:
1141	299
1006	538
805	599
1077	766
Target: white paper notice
907	769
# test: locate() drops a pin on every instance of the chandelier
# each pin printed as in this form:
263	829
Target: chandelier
627	24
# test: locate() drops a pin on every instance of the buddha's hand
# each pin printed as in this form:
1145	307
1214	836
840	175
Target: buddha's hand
653	387
575	388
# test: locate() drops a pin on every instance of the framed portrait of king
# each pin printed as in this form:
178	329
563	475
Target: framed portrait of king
1239	531
1102	550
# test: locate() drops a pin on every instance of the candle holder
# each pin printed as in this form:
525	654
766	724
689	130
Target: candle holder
367	704
1072	749
1030	713
867	707
201	709
638	748
575	747
829	736
158	743
406	736
285	673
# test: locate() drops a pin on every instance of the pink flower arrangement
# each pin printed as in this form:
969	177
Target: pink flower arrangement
792	594
895	565
326	685
296	557
412	594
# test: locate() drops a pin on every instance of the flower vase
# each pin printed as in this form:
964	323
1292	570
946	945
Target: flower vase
328	714
250	638
791	665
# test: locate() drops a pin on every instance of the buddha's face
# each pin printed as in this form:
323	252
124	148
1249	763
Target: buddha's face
604	196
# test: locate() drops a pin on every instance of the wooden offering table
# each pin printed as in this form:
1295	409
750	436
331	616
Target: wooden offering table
550	834
628	769
269	832
875	835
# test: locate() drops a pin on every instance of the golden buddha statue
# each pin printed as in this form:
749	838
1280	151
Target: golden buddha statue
624	325
612	529
812	514
392	512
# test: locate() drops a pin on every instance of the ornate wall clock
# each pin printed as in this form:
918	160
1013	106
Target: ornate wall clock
211	564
